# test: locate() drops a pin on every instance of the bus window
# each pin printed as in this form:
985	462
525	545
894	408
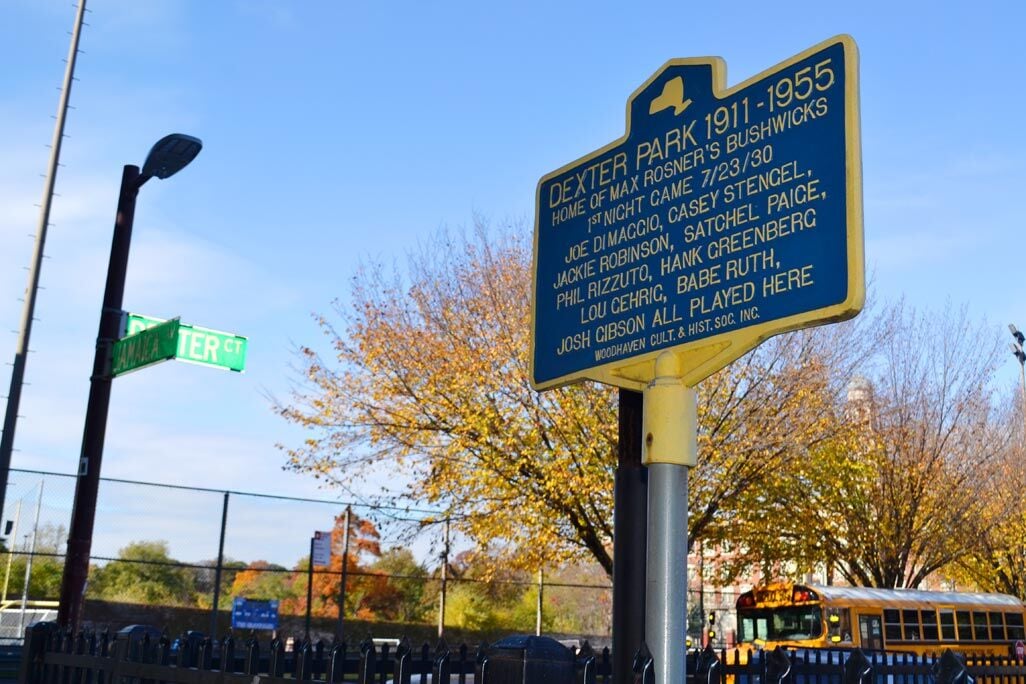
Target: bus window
997	626
800	622
911	620
789	623
965	625
947	622
839	623
929	625
869	632
980	631
892	624
751	628
1015	626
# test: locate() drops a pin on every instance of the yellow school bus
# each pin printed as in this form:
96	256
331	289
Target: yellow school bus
893	620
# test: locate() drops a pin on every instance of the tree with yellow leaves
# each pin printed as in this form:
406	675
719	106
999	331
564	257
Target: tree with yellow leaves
428	384
995	558
896	493
762	417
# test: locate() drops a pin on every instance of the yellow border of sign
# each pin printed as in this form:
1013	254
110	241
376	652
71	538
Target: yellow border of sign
702	358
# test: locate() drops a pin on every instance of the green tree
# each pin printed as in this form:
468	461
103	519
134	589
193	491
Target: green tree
47	565
578	600
402	594
468	608
203	579
481	594
143	573
44	582
264	581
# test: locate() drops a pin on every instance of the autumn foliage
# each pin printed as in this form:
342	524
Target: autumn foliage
380	585
425	387
430	379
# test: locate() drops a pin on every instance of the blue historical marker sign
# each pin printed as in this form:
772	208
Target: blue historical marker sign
254	614
722	217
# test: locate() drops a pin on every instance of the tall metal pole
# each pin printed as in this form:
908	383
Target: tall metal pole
541	601
666	596
28	563
309	590
630	517
445	578
671	435
83	513
168	156
10	553
217	571
28	310
345	576
701	589
1020	356
1022	376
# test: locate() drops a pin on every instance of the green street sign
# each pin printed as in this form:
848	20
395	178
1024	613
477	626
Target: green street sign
146	347
198	345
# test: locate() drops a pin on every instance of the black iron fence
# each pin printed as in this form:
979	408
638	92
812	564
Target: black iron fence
144	656
849	666
52	656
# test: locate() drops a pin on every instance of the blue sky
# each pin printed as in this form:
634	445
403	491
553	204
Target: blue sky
341	131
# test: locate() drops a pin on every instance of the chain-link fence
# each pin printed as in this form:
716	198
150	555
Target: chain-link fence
177	532
173	529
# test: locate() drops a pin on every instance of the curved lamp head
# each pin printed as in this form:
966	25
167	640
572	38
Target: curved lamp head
1017	334
171	154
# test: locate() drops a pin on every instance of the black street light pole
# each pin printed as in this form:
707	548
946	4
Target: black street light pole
1020	355
630	532
171	154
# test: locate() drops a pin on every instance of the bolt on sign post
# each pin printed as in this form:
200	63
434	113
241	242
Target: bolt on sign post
722	217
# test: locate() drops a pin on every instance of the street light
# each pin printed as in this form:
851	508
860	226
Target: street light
170	155
1017	350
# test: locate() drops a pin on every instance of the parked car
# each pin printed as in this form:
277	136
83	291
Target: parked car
191	640
136	634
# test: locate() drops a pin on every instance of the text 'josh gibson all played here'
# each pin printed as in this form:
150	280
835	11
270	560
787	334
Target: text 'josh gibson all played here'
683	229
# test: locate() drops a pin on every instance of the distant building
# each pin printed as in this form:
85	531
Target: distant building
861	402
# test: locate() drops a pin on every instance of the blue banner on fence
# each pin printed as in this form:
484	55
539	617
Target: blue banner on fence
252	614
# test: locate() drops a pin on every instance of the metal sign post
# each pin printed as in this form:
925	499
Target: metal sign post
723	216
671	447
309	588
340	629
